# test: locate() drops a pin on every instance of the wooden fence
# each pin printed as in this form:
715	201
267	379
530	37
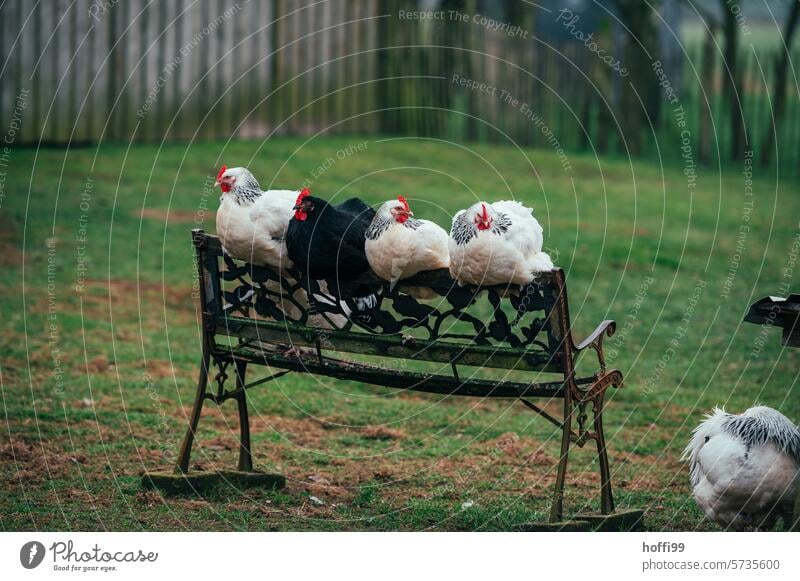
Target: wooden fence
143	70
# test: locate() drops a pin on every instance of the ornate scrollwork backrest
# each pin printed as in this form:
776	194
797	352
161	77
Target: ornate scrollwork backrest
505	317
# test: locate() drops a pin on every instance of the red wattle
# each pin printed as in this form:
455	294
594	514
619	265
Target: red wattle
225	187
300	215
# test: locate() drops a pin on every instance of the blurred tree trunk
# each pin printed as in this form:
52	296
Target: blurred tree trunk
609	85
384	61
455	60
672	53
733	83
640	102
779	90
708	57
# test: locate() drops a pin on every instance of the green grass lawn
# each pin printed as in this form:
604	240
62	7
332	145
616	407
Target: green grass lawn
100	343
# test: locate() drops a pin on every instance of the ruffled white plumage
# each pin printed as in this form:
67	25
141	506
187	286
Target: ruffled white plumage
744	469
256	231
508	255
398	247
401	252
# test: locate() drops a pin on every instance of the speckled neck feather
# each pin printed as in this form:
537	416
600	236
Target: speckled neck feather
247	190
465	230
381	223
760	428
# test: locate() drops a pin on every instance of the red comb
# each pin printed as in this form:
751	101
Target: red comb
222	170
485	213
304	194
402	200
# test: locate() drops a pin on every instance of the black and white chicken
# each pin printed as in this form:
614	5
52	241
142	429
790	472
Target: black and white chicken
745	469
399	246
251	223
499	243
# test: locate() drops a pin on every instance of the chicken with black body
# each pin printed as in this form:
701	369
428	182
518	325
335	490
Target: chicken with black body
326	242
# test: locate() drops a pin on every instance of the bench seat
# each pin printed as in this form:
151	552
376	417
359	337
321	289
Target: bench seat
308	362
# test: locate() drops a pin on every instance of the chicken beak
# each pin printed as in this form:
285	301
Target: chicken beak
296	207
409	213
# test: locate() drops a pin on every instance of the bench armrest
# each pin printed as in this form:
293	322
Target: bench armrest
595	340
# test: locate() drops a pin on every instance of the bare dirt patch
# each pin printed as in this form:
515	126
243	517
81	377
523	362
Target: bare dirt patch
10	254
147	305
99	364
169	216
381	433
306	432
31	463
160	369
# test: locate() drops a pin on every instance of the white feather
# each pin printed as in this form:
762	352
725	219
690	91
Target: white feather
400	252
492	257
256	232
744	469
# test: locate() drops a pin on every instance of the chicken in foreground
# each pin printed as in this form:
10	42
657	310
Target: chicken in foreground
745	469
399	246
251	223
499	243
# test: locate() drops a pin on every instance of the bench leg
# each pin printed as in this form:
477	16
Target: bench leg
557	508
186	448
245	456
180	481
606	497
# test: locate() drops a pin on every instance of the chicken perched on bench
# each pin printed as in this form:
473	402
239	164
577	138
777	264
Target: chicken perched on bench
745	469
399	246
251	223
499	243
326	242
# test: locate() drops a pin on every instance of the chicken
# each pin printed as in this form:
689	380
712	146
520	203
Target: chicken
745	469
326	242
252	224
399	246
499	243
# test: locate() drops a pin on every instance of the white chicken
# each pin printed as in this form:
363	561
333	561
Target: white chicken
499	243
744	469
252	224
399	246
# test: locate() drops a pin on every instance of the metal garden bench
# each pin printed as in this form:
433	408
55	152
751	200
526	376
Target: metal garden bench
245	320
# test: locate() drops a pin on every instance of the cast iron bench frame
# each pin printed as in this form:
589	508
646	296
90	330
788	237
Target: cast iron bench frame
264	342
